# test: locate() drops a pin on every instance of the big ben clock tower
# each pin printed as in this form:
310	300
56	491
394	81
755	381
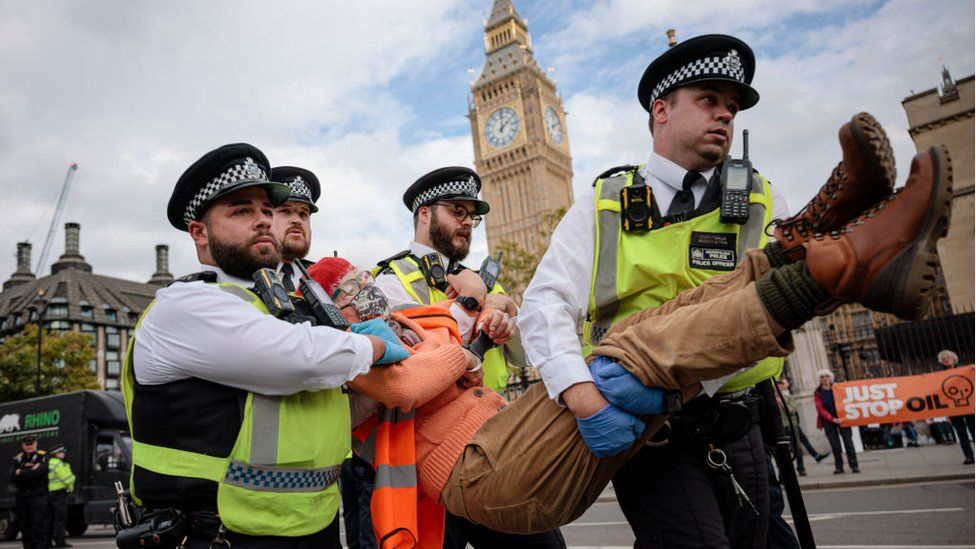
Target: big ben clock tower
518	126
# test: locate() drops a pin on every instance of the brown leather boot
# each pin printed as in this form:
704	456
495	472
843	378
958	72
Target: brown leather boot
865	176
886	258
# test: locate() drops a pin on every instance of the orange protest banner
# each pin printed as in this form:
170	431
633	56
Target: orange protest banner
906	398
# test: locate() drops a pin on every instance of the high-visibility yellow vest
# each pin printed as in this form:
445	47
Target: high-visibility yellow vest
408	272
280	477
633	271
59	475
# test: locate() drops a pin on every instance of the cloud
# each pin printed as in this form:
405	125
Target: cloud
356	92
135	93
812	81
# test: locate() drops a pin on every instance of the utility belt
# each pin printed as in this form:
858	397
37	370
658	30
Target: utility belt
170	528
718	419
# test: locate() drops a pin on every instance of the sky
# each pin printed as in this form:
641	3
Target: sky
370	95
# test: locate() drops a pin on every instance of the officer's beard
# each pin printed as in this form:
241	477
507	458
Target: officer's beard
292	250
241	260
442	237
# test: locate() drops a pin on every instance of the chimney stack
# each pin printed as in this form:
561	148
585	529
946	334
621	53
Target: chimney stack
71	259
162	276
672	41
23	273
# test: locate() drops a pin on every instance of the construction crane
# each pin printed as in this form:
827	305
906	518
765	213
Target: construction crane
54	220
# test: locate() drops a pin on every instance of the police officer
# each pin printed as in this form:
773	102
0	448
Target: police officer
692	93
29	475
237	417
60	483
292	219
446	208
660	231
293	228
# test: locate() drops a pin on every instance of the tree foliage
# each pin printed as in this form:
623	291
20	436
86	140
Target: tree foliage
64	364
519	264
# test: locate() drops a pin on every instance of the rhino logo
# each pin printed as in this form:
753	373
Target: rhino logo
10	423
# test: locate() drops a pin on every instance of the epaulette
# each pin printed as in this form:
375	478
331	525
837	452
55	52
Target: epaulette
613	171
41	452
385	264
205	276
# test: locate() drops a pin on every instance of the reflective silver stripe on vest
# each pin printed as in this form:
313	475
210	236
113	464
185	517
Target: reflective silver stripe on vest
605	288
234	289
280	479
419	286
395	476
265	411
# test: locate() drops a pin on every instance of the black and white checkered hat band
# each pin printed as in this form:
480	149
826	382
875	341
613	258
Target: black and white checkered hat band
729	66
300	190
463	188
249	170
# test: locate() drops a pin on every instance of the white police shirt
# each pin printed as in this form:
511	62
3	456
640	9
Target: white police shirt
195	329
555	302
397	294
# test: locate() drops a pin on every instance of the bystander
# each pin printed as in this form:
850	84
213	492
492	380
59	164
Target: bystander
827	420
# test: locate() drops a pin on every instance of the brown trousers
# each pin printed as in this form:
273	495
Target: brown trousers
528	469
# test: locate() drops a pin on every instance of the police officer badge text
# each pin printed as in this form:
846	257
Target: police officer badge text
714	251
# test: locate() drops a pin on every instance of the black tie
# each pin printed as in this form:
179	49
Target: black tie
286	273
684	200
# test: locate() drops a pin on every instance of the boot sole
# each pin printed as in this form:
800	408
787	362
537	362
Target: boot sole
904	286
873	142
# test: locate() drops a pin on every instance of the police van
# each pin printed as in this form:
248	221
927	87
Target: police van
92	426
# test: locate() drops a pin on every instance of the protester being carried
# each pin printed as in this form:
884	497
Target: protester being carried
510	473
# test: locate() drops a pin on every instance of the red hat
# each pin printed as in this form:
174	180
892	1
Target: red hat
329	271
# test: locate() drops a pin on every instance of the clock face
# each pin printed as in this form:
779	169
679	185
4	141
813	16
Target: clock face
501	127
553	126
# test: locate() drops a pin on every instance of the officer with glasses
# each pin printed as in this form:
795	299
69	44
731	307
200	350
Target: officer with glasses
446	208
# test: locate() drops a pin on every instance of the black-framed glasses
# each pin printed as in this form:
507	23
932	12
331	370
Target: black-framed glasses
461	213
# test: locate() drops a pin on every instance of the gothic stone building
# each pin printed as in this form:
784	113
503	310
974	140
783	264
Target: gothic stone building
79	300
518	126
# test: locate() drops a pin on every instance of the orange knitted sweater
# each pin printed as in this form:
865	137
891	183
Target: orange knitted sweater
446	415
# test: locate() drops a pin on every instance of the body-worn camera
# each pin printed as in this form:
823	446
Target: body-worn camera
434	271
736	183
272	292
635	208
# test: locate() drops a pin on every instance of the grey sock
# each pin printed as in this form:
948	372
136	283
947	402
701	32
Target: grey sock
790	294
774	252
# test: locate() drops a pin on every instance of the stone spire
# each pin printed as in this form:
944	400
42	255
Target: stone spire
71	259
508	45
949	89
23	273
162	276
501	11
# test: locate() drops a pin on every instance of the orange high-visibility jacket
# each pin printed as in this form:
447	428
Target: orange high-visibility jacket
403	516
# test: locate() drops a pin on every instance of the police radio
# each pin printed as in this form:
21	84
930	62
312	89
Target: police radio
736	184
489	271
318	301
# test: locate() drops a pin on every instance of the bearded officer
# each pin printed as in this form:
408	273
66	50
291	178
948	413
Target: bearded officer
692	93
446	208
292	220
237	418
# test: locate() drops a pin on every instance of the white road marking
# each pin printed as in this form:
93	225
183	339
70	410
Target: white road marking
828	516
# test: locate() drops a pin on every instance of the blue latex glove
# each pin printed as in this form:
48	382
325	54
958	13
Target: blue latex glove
610	431
377	327
624	390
